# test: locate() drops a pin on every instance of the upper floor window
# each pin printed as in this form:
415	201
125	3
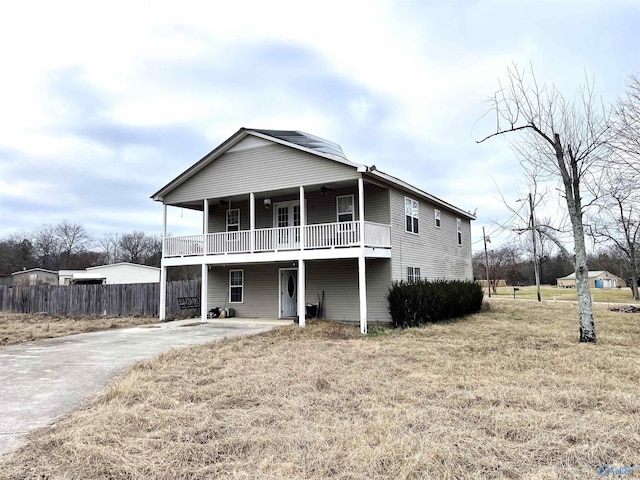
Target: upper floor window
413	274
344	205
437	214
233	220
459	230
411	215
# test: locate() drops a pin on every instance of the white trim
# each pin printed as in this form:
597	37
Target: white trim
162	314
164	220
205	216
303	218
362	293
353	208
413	276
236	286
280	256
204	292
413	217
252	221
226	219
289	203
279	283
302	299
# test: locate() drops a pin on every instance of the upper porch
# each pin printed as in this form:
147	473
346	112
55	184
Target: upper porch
329	220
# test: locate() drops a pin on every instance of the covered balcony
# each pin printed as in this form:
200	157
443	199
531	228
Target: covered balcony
337	219
309	237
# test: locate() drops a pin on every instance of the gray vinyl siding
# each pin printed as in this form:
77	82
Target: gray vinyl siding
321	208
434	250
378	283
337	278
261	289
259	169
376	206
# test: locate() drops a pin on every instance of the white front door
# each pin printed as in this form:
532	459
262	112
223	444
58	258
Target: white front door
287	214
288	293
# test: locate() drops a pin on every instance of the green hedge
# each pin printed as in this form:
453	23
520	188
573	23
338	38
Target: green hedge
413	304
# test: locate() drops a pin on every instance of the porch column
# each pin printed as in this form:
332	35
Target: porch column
302	310
162	310
303	220
204	285
252	220
362	289
361	209
205	217
164	220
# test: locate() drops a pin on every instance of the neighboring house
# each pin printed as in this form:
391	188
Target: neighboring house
288	219
597	279
125	272
65	277
35	276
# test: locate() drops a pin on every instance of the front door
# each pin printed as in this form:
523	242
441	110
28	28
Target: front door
288	293
287	214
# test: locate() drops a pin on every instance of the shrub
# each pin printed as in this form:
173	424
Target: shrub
413	304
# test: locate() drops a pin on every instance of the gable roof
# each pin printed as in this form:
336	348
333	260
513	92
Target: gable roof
123	263
590	274
34	270
306	140
308	143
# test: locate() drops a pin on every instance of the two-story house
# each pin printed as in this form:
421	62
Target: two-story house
287	217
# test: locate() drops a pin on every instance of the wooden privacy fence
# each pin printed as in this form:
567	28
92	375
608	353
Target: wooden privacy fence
111	300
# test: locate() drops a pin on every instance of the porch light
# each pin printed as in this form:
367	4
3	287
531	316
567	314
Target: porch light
267	202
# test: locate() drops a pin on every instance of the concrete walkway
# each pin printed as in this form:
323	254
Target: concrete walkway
40	381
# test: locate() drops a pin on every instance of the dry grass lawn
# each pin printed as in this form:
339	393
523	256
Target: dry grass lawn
550	292
21	327
507	393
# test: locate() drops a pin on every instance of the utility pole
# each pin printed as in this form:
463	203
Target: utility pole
486	260
536	269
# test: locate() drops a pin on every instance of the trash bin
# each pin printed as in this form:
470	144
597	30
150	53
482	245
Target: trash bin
311	310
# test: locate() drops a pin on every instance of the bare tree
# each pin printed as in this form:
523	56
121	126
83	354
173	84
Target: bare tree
564	140
137	247
110	246
617	220
626	115
47	247
73	238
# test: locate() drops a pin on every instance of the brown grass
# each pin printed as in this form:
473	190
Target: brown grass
507	393
551	292
21	327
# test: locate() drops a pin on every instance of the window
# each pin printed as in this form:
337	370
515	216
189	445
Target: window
459	228
233	220
413	274
344	205
411	215
236	286
437	213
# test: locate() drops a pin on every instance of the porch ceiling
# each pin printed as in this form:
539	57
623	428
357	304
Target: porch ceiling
272	194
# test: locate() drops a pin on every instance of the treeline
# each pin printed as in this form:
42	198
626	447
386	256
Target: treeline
68	245
515	265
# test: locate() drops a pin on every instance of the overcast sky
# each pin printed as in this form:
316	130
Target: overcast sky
101	104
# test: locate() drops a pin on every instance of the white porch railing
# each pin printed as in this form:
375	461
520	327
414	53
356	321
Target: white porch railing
377	235
340	234
323	235
274	239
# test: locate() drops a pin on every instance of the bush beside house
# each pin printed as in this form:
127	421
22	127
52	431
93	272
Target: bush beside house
416	303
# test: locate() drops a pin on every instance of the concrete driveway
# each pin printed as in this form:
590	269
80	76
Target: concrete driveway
40	381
